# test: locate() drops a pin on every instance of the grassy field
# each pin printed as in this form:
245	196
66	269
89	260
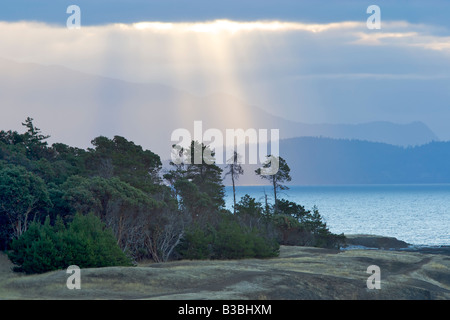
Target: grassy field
298	273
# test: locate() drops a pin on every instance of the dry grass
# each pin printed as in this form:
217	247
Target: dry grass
299	273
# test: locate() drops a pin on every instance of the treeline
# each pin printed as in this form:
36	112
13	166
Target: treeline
112	204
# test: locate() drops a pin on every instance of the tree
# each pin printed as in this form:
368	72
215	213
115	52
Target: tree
294	210
23	197
194	201
34	141
250	212
206	174
281	176
164	232
249	206
234	170
114	201
179	171
142	226
11	137
68	161
198	182
5	232
121	158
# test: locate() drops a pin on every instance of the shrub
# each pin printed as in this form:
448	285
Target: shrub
85	242
228	240
197	243
34	251
298	226
232	242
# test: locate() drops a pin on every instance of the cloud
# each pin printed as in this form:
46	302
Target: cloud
233	27
310	72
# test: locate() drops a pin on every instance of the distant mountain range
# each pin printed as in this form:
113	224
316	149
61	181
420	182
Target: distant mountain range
330	161
319	161
75	107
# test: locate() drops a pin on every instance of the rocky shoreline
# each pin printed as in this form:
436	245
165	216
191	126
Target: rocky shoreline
373	242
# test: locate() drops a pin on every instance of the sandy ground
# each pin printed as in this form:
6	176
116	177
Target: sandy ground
298	273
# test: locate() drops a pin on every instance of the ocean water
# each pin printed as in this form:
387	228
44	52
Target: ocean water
417	214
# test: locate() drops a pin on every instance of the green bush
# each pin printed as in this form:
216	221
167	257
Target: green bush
228	240
297	226
232	242
85	242
197	243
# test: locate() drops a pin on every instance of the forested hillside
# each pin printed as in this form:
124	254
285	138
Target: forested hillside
334	161
61	205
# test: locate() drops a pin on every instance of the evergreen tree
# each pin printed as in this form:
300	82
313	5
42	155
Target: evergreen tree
35	141
23	197
199	181
85	242
206	174
121	158
234	170
249	206
281	176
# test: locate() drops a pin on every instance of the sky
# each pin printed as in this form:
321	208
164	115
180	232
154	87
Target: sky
309	61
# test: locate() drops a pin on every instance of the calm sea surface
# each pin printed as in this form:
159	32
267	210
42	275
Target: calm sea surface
417	214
